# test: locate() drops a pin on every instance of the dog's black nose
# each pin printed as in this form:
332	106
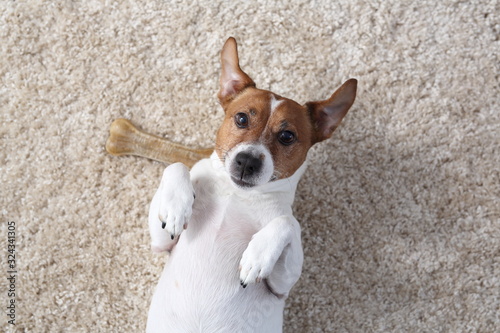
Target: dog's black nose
247	165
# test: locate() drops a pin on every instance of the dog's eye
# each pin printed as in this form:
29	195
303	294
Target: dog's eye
286	137
241	120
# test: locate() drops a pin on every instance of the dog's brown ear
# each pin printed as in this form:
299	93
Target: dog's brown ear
326	115
232	79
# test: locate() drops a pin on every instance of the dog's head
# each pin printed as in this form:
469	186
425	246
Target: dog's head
266	137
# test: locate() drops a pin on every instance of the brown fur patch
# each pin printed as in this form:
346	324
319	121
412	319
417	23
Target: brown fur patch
288	116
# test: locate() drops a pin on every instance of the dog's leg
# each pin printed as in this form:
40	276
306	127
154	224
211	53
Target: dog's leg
274	254
171	207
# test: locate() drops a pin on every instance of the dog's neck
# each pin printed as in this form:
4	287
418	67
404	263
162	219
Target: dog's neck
285	187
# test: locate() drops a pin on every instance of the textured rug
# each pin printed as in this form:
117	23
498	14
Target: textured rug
400	209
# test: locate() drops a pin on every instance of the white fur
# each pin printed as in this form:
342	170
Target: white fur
174	209
275	103
199	290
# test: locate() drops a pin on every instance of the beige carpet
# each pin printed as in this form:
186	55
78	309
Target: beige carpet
400	209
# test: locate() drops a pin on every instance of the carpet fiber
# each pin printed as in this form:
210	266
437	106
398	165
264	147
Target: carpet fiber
400	209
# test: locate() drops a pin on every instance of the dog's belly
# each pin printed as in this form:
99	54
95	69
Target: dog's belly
199	290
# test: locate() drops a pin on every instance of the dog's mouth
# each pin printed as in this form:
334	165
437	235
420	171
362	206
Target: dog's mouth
241	183
244	184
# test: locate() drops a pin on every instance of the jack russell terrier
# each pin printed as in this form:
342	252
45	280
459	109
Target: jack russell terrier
235	247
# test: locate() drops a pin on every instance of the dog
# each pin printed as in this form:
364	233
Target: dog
235	247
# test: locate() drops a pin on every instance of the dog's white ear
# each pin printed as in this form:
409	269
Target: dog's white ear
232	79
326	115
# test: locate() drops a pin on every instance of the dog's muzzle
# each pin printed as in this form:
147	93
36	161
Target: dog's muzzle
245	167
250	165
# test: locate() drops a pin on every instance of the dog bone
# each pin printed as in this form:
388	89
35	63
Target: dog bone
126	139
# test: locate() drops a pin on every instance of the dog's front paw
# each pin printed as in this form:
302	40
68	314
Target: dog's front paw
176	199
175	214
259	258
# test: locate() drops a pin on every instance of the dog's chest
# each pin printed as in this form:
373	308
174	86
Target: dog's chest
209	251
221	226
224	221
224	210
